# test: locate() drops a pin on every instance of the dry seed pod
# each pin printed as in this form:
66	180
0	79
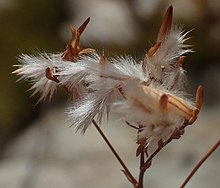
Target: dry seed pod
168	103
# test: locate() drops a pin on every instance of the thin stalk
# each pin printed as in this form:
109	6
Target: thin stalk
126	170
176	135
142	171
200	163
147	164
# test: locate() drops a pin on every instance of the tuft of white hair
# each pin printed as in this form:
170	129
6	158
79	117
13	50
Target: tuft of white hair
171	48
93	105
33	68
142	109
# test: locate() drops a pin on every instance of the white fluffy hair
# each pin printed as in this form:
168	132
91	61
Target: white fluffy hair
146	99
33	69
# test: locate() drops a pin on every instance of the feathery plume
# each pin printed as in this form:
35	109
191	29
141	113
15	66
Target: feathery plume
149	94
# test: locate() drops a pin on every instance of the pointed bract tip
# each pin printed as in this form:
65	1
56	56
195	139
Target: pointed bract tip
49	75
163	102
139	150
102	59
170	8
153	49
180	61
83	26
198	104
166	24
72	28
199	97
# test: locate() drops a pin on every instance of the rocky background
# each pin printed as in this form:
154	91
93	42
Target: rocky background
39	150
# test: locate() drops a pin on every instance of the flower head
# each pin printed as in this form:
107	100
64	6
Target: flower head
149	94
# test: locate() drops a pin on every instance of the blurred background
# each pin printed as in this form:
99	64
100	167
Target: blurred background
37	148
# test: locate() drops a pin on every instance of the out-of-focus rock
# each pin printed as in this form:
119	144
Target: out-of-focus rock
50	154
111	22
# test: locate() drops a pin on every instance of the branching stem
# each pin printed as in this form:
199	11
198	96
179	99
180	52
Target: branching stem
161	144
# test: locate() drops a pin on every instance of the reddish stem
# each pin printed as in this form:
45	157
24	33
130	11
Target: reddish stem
141	173
200	163
126	170
161	144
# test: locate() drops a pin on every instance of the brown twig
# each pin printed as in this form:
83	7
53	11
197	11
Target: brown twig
141	173
125	169
176	135
200	163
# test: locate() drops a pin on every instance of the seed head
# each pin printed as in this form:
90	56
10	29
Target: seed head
149	95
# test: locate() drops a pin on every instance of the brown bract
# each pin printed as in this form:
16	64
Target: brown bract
73	49
163	32
168	101
50	76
